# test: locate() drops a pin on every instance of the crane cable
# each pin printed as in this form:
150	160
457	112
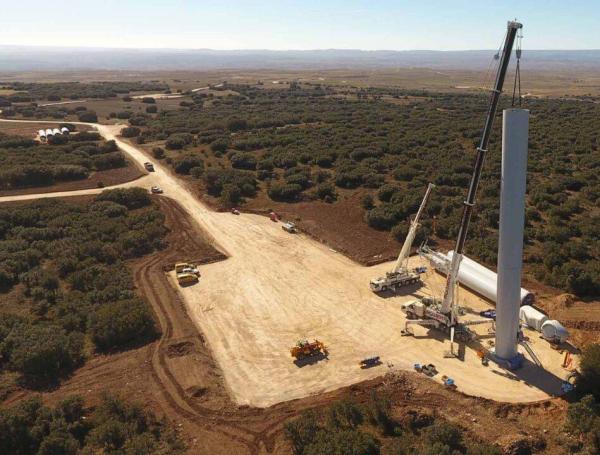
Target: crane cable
493	67
517	83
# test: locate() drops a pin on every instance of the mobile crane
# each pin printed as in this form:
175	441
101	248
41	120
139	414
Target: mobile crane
400	274
443	315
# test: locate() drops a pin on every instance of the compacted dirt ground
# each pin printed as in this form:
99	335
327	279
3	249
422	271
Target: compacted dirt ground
177	377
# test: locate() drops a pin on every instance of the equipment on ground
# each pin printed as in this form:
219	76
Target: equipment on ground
186	273
443	315
369	362
185	267
401	275
187	278
554	332
289	227
149	166
304	348
235	211
273	217
156	190
532	318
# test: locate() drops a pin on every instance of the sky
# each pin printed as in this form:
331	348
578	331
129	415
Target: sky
305	24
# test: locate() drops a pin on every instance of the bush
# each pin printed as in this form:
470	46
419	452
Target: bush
243	160
151	109
184	164
88	117
216	179
386	192
148	100
116	324
325	190
285	192
445	434
220	145
158	153
367	202
132	198
230	195
42	350
130	131
589	381
178	141
237	124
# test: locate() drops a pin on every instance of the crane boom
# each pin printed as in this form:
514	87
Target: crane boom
447	303
412	232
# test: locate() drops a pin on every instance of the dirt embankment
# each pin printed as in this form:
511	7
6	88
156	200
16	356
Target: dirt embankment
176	376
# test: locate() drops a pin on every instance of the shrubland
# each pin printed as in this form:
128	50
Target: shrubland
310	141
64	285
28	163
347	427
56	91
69	428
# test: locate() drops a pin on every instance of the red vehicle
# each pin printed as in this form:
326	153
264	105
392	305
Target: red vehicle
274	217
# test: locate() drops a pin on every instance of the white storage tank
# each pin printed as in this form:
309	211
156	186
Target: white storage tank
554	331
55	131
49	132
64	130
532	317
42	133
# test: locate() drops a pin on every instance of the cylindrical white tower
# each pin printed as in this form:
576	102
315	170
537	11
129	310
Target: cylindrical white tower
515	136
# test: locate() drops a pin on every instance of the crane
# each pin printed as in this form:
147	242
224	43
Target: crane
429	311
400	274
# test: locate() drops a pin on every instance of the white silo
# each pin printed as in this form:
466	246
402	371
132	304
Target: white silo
64	130
49	132
515	136
55	131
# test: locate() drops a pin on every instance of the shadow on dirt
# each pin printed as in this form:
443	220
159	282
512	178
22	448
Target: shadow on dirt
304	361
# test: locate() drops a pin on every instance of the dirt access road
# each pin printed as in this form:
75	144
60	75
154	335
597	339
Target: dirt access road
276	288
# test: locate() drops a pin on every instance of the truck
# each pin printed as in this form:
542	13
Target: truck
149	166
289	227
185	267
186	278
401	275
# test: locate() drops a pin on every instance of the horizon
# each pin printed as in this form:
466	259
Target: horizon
324	49
310	25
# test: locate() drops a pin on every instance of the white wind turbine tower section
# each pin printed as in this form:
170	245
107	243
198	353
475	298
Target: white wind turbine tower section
515	136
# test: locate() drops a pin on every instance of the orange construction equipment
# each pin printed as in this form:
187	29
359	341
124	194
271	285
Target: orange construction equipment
568	360
306	349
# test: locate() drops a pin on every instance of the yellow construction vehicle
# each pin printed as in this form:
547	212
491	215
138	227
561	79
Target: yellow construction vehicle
185	267
304	349
186	278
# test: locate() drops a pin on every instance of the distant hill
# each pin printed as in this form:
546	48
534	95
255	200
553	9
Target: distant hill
26	58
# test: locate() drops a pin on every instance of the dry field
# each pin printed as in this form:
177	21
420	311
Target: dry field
537	83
